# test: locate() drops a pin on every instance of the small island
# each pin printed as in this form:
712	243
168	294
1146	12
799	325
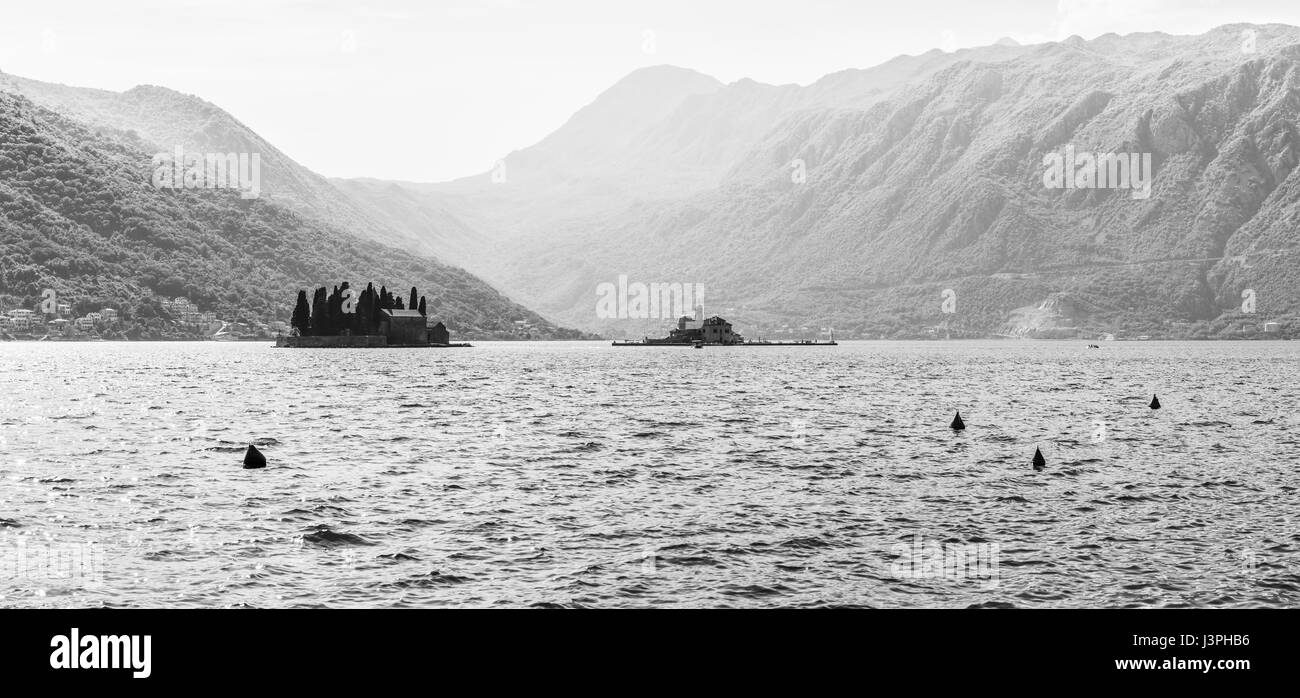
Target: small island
346	319
713	331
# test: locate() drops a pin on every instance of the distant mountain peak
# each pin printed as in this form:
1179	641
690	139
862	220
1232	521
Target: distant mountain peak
606	125
666	69
664	78
153	89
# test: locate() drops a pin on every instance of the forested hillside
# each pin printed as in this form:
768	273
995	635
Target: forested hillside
78	214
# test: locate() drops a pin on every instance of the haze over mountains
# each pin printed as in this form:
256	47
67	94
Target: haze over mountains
922	174
79	214
854	202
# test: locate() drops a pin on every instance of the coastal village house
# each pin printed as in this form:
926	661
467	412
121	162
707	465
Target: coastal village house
20	319
63	321
182	308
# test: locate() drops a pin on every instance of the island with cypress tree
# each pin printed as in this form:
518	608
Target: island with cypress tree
371	318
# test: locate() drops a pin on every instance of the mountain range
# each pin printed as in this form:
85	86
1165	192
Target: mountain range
902	200
862	201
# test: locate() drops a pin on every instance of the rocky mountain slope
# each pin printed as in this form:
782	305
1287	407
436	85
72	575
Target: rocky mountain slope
857	201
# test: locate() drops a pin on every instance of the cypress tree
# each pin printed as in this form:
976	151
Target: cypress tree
318	312
374	311
412	302
366	310
334	312
302	315
423	310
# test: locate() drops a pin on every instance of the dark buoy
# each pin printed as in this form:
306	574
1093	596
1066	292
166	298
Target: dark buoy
253	458
1039	461
957	424
1155	402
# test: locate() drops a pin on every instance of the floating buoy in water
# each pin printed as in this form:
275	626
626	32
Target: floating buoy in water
957	424
1155	402
253	458
1039	461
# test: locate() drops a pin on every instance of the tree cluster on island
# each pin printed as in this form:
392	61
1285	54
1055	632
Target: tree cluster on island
346	312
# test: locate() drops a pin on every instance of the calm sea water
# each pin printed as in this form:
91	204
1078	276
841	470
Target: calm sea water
578	474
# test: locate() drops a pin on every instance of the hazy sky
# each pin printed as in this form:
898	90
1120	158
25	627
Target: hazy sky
434	89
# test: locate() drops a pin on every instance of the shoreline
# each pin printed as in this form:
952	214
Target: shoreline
607	342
